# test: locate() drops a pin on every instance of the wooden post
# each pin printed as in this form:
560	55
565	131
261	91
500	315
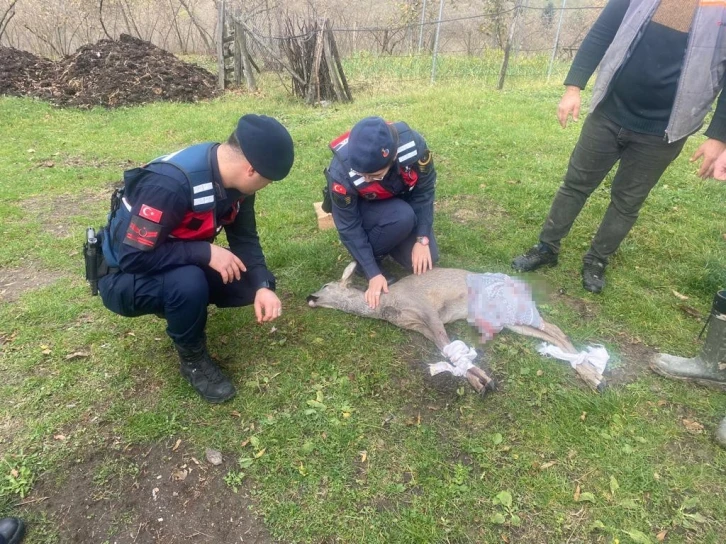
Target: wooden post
220	46
339	64
508	47
247	61
314	88
238	36
332	69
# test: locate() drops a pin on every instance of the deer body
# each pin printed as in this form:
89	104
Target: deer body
425	304
419	303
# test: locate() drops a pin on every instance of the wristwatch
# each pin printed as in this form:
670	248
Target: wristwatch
423	240
267	285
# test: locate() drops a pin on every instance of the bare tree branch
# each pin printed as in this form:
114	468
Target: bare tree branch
206	37
6	18
44	40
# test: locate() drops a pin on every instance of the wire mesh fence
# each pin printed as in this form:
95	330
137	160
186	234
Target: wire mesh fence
381	42
519	42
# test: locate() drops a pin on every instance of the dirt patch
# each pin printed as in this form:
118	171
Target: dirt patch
16	281
633	364
109	73
54	213
581	307
140	494
467	209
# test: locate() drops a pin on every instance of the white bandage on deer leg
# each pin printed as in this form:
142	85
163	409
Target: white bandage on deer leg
461	357
596	355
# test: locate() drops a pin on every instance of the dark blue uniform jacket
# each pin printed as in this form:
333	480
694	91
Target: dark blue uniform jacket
155	226
411	178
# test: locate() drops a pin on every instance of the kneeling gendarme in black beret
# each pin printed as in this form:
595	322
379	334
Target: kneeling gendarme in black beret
381	183
159	255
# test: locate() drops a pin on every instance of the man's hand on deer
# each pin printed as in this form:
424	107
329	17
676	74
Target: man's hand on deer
376	286
421	258
267	306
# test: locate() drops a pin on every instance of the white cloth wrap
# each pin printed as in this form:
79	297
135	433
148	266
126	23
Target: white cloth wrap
461	357
596	355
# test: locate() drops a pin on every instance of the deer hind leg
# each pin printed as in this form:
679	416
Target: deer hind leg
554	335
551	334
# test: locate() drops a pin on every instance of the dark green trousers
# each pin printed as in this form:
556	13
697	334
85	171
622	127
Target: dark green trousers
643	159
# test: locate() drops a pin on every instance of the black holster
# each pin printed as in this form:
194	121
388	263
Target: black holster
96	266
327	205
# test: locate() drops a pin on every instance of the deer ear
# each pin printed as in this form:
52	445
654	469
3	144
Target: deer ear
348	273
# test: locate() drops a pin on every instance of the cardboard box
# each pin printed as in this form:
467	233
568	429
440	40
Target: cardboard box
325	220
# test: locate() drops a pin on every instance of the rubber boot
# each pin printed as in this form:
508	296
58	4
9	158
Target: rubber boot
203	374
709	367
721	433
12	530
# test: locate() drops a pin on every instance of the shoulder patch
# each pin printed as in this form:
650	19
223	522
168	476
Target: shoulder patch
142	234
425	163
341	197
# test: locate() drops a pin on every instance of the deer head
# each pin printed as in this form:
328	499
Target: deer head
339	295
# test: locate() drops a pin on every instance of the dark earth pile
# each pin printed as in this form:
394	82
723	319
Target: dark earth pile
22	73
109	73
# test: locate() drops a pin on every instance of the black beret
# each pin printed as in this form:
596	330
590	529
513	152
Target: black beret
266	144
372	145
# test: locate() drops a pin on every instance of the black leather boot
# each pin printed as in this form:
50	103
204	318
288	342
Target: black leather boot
12	530
537	257
204	374
593	276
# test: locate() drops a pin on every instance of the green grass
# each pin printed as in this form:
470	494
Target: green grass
433	464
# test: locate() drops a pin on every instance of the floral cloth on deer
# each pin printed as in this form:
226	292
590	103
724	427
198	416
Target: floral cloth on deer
498	300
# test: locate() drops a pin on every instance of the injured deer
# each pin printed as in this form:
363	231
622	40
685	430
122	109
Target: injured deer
424	304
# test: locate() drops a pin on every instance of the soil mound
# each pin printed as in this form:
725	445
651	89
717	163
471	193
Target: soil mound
22	73
109	73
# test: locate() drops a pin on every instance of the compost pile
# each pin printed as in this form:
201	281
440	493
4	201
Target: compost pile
22	73
109	73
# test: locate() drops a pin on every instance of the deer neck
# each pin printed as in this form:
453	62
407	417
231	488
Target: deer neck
355	303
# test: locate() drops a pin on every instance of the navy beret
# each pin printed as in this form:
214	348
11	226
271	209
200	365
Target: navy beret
372	145
266	144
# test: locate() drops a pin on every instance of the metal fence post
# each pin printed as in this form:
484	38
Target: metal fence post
420	28
557	41
436	42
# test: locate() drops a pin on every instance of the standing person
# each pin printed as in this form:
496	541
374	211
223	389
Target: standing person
661	65
159	251
709	366
382	182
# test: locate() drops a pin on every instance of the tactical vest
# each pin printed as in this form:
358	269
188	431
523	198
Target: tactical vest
407	155
194	164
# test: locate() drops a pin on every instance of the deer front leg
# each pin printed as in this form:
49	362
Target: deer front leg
480	380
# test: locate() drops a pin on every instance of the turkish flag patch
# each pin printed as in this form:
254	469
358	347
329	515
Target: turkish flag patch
338	188
152	214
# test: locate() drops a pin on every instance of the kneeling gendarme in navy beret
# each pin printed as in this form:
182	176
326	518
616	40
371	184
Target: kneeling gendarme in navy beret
381	184
158	245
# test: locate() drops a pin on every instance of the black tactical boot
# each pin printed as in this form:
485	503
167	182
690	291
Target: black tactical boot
204	375
709	367
537	257
593	276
